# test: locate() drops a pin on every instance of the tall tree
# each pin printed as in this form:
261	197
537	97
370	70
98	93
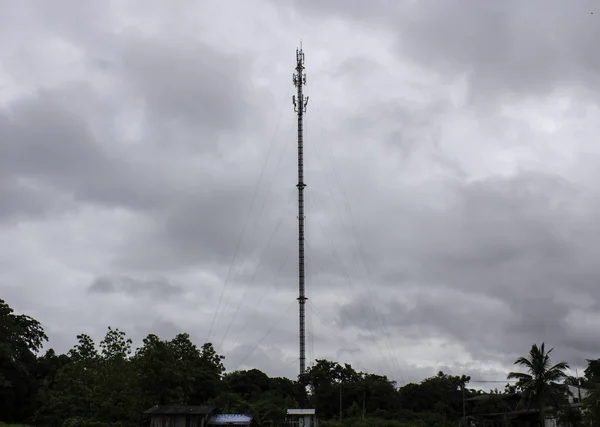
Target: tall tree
159	372
118	392
377	393
177	371
540	384
72	393
329	383
440	394
21	338
247	384
592	384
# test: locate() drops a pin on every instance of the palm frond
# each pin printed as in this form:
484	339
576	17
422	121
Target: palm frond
522	361
519	376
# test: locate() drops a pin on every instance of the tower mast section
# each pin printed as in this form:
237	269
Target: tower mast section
300	103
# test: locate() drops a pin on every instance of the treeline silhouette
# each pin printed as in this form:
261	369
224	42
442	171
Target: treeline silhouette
111	385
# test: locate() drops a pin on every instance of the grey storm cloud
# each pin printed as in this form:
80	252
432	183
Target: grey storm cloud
505	255
172	77
148	153
129	285
48	141
508	48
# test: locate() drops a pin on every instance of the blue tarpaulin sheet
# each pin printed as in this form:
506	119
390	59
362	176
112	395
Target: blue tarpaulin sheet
237	419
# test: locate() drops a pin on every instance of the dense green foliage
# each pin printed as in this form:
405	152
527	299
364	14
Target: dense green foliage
110	384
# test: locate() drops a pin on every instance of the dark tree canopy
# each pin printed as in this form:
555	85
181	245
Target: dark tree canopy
21	337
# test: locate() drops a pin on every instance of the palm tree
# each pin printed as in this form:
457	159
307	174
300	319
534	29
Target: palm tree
540	385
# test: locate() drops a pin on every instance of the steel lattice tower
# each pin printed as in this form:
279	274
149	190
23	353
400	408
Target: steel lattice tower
300	103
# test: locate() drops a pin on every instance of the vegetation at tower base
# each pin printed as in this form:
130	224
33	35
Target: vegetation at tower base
111	384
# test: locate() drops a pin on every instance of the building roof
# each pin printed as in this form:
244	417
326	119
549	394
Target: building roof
574	390
489	396
513	414
301	411
184	410
231	419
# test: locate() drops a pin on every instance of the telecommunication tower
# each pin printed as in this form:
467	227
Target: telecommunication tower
300	103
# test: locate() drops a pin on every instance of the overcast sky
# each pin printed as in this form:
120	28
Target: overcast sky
148	171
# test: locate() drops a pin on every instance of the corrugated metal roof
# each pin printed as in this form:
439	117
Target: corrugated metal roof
190	410
236	419
576	390
301	411
489	396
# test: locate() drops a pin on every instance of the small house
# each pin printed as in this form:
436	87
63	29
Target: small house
179	416
301	418
575	395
